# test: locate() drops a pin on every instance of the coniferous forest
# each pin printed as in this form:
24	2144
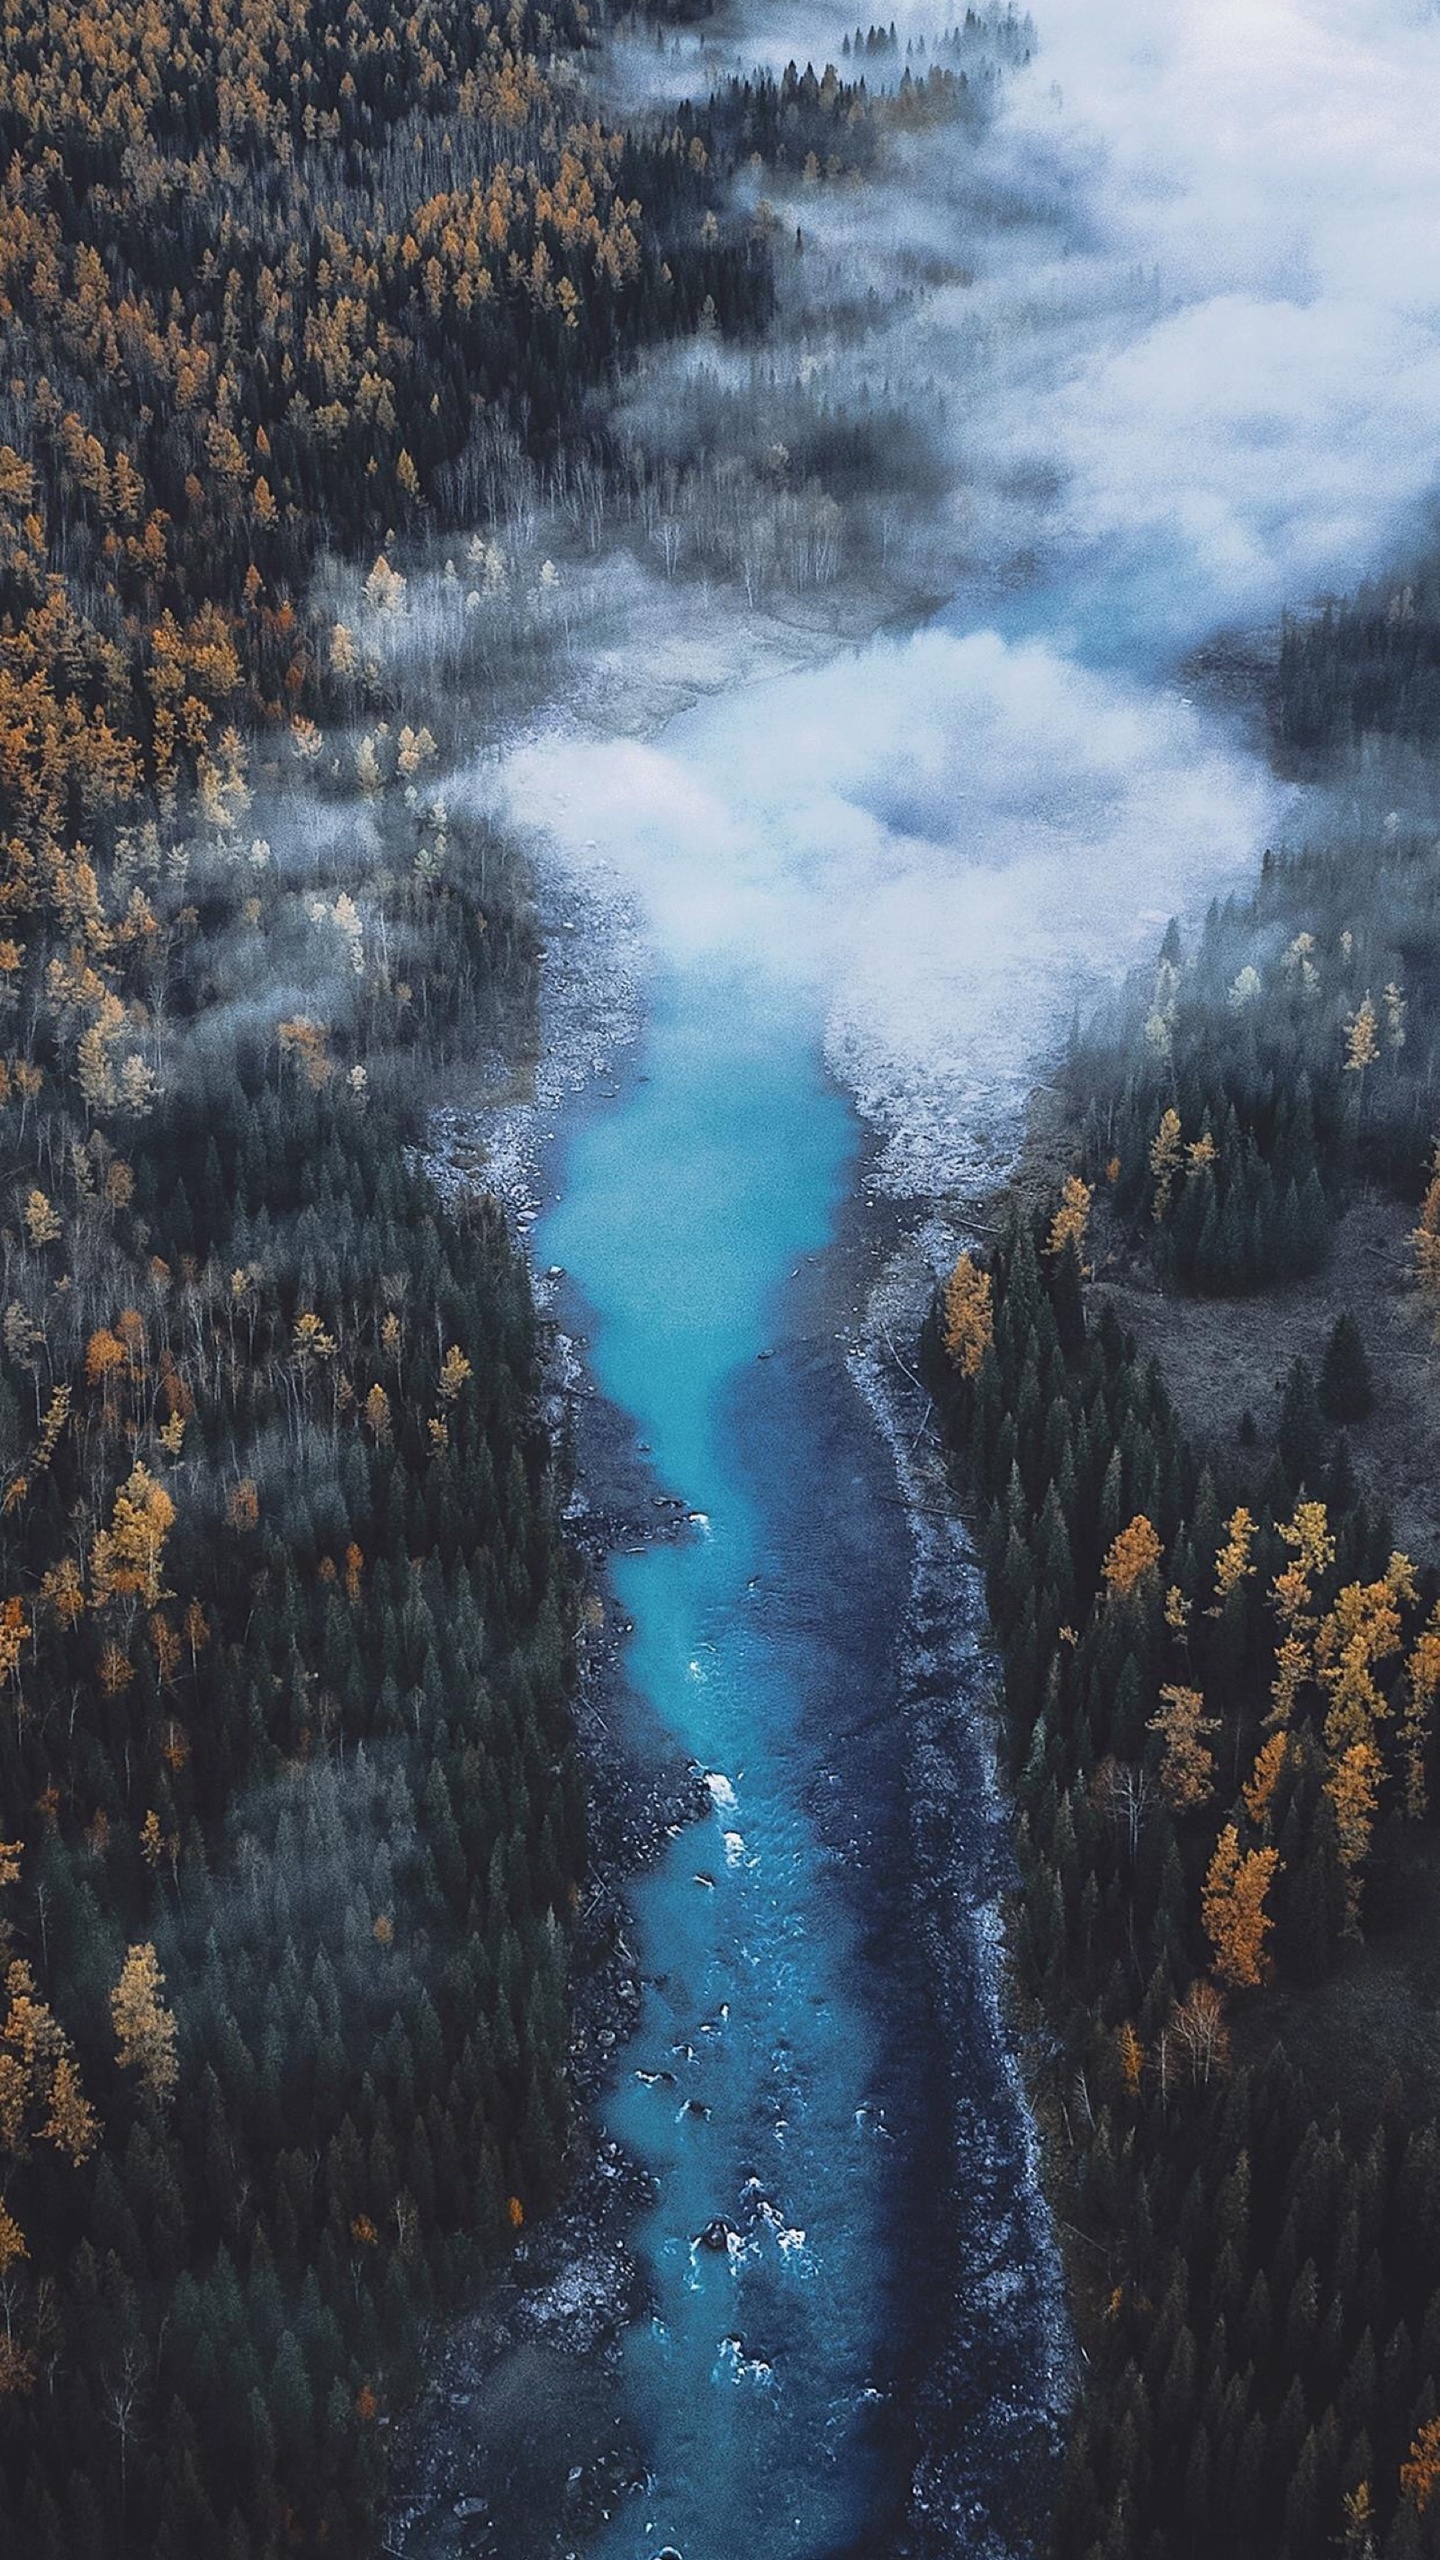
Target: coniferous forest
1221	1672
298	301
292	1828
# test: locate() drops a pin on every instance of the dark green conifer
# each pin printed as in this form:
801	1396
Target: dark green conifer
1346	1390
1302	1440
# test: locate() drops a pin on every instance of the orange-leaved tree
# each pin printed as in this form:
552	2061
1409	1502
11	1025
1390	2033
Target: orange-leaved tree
1259	1788
1353	1787
1420	2471
1130	1557
969	1316
1233	1908
1072	1218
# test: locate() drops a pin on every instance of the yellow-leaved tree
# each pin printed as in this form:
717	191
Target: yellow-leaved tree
1353	1787
144	2027
126	1560
1361	1630
1072	1218
1233	1908
969	1317
1233	1564
1422	1686
41	2099
455	1370
1187	1766
1167	1154
1312	1552
1362	1038
1426	1241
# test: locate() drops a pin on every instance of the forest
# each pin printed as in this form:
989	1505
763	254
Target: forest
293	1833
291	1826
1220	1676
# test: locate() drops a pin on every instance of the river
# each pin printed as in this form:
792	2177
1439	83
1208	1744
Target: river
755	2091
1191	357
784	2090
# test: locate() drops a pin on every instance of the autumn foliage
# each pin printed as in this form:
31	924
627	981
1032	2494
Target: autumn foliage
1420	2470
1187	1768
968	1324
1220	1691
1131	1557
1236	1921
144	2027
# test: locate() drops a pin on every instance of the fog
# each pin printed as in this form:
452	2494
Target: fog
1167	330
1275	164
937	841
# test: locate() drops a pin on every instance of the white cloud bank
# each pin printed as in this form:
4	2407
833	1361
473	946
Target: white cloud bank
1275	165
1212	343
936	841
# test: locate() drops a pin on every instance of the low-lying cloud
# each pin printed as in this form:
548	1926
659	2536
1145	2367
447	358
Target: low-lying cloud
1173	329
935	843
1270	169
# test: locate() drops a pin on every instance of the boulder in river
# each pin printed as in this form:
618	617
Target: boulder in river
717	2235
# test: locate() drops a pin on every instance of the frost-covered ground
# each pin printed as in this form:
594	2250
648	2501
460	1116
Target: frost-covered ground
1006	2296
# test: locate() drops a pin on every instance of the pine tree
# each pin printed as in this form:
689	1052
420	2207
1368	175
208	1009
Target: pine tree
1346	1392
1301	1438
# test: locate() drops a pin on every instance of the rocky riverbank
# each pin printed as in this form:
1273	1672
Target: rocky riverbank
974	2409
995	2382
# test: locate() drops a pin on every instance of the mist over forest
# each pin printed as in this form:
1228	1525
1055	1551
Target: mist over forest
866	596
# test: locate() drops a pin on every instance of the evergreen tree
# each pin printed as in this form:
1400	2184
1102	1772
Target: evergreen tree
1346	1390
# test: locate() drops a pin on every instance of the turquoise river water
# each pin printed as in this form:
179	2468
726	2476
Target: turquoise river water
751	2090
956	833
